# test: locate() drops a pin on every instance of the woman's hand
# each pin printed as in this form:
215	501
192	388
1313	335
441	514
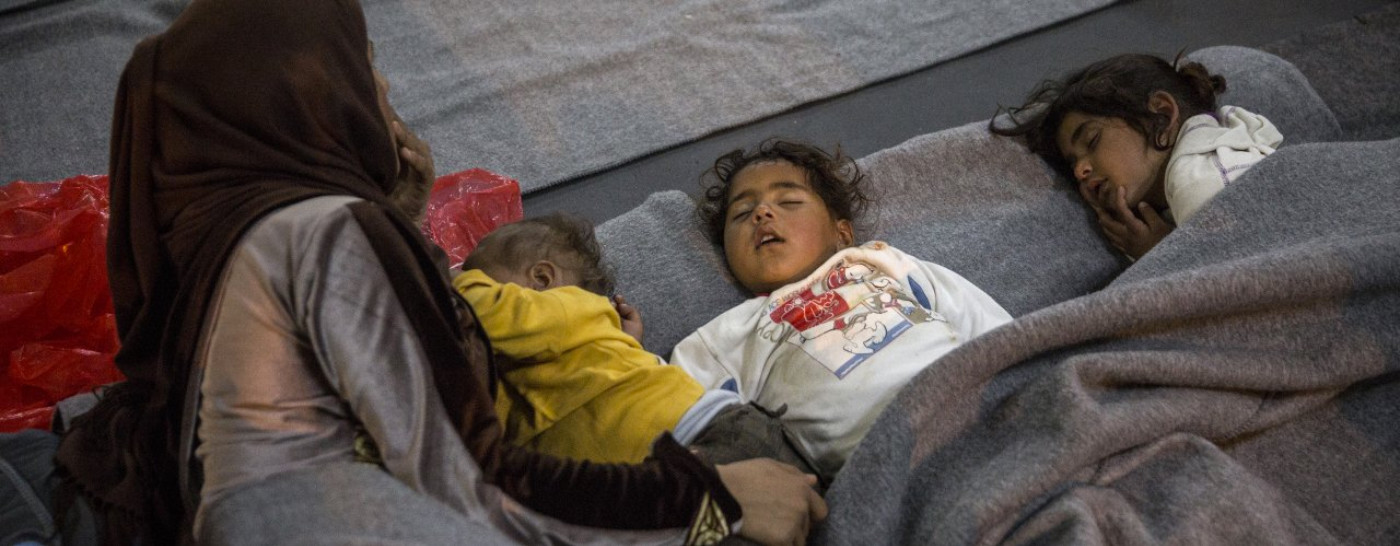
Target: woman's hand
778	501
415	178
631	317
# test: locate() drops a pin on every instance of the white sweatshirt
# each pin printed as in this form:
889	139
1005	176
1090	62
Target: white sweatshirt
1211	151
837	346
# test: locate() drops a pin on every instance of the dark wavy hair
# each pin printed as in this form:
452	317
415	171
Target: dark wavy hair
1116	87
834	177
565	239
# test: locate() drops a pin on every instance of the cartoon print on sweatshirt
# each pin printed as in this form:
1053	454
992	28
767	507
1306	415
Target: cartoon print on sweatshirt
849	315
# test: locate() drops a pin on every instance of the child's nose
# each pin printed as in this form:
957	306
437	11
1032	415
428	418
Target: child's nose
1082	170
762	211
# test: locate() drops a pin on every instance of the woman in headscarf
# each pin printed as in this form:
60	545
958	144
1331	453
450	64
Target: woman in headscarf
272	300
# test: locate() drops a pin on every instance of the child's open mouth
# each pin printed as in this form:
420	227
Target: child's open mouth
766	239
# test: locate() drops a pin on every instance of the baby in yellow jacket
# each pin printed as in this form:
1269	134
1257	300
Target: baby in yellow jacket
575	380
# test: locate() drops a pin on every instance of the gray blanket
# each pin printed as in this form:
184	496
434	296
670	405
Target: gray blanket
1237	385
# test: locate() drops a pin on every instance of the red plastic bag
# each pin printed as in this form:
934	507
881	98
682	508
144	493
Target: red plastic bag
57	329
464	206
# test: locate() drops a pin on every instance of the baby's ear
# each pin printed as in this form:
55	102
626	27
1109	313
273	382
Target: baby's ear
543	275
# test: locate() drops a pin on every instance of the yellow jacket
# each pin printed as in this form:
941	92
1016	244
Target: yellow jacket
574	384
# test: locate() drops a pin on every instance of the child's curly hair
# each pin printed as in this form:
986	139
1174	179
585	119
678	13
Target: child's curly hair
835	178
1117	87
553	236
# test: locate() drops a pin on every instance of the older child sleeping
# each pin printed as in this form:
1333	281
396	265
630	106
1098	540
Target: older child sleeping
834	329
1144	140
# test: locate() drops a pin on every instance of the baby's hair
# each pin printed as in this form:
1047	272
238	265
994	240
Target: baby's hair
834	177
1116	87
565	239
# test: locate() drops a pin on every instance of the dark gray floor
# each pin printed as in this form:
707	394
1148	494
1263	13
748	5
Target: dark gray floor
958	92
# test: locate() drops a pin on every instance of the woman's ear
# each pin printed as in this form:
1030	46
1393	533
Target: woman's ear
543	275
1162	102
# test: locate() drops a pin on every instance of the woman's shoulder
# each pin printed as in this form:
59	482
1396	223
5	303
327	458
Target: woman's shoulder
306	218
309	212
309	228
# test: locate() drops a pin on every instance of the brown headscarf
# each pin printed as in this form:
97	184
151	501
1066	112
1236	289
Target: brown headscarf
242	107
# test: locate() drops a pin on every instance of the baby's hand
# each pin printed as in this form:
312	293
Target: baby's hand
1133	234
631	317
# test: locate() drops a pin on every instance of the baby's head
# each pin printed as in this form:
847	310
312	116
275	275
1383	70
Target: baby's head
542	253
781	210
1114	121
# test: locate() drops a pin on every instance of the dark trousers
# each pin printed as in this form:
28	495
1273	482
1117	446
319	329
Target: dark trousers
748	431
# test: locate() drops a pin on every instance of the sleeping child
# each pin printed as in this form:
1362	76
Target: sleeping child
575	380
1144	140
833	330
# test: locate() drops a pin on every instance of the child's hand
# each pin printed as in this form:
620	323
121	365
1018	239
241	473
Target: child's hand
1133	234
416	176
631	317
